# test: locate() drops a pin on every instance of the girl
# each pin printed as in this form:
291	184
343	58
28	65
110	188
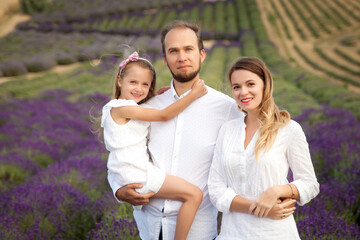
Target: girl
248	176
126	126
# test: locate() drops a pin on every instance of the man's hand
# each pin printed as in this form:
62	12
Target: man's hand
128	194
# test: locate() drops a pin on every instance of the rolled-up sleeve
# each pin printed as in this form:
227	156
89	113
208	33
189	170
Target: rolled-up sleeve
301	165
221	195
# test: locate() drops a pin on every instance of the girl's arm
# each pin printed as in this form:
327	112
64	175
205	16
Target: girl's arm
147	114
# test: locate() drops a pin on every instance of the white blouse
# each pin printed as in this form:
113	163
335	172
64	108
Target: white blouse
235	171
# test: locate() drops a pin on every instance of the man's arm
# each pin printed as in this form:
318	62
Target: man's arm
128	194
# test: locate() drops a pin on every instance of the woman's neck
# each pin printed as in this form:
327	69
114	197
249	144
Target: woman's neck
252	120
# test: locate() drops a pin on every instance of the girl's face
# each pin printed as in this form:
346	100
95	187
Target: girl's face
247	89
135	85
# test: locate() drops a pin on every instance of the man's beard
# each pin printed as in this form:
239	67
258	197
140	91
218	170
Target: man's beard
185	77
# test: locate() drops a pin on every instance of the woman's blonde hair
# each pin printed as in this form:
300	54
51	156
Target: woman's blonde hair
270	118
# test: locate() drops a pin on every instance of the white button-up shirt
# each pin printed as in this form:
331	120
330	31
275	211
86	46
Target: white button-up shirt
184	147
235	171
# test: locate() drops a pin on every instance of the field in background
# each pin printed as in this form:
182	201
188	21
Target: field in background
53	168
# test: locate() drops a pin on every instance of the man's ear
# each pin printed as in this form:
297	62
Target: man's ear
202	55
165	60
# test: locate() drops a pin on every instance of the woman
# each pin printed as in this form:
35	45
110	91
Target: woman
248	177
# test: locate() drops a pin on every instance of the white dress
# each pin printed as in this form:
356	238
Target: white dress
235	171
127	144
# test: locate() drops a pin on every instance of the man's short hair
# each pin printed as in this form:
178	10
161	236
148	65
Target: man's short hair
181	24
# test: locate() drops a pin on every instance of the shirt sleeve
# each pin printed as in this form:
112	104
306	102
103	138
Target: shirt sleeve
221	195
234	112
299	158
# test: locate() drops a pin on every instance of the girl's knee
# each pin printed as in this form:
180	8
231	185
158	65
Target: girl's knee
196	195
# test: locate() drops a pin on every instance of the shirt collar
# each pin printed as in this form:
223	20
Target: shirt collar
174	94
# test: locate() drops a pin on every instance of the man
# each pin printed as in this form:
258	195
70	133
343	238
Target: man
184	145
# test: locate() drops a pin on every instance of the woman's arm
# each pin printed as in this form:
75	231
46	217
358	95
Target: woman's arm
262	206
299	158
304	187
147	114
280	210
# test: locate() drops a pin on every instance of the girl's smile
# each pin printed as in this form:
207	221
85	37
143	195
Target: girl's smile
135	85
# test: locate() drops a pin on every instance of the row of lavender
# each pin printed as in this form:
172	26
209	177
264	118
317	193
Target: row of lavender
32	51
53	173
65	10
218	19
49	41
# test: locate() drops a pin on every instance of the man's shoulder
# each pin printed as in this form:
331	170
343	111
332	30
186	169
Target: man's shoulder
159	100
219	95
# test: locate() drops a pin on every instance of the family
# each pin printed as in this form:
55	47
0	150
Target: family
181	156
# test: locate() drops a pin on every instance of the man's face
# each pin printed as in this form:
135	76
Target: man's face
182	54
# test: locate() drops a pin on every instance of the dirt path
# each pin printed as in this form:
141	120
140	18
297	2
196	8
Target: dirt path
10	16
8	23
325	41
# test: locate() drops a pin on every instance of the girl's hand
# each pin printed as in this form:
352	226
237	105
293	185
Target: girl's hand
199	89
282	210
262	206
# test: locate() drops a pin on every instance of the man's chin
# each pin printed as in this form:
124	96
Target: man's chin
185	78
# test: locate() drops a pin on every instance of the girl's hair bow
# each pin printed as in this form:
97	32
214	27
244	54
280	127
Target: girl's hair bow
132	58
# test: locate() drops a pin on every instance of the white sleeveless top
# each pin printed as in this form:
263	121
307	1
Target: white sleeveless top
127	144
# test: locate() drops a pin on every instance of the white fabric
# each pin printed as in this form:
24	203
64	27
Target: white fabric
184	147
129	159
235	171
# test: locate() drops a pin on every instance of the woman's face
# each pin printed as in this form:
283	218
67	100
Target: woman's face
247	89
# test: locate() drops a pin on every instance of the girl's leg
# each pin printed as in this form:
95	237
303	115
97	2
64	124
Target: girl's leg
175	188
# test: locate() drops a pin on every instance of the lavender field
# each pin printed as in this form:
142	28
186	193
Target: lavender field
53	166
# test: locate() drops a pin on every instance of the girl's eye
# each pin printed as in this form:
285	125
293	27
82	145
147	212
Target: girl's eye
235	87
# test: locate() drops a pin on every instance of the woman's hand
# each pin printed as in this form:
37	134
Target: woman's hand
199	89
282	209
262	206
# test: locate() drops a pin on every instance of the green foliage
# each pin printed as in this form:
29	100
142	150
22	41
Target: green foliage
213	72
11	175
289	97
34	6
